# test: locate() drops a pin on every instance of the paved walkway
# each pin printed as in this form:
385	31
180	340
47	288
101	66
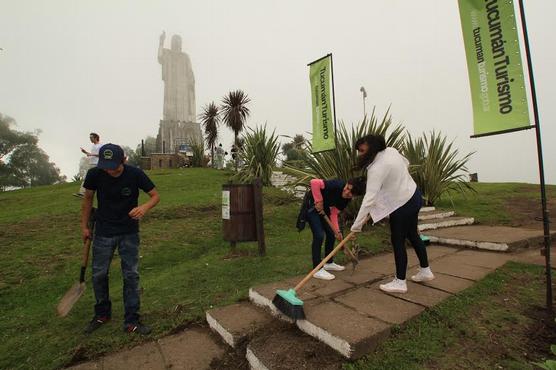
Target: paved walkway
349	314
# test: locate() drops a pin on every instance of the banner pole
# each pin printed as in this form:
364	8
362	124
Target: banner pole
545	217
333	99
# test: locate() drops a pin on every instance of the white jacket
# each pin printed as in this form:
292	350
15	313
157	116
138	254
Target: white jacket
389	186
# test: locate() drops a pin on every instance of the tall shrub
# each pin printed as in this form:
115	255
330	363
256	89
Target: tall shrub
437	166
258	155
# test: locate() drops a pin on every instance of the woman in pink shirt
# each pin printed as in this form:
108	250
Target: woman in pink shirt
329	197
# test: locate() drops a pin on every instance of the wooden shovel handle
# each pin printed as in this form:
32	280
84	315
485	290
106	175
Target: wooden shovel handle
350	255
85	261
330	255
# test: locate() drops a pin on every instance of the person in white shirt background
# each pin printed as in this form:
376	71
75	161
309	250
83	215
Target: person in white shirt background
392	192
93	158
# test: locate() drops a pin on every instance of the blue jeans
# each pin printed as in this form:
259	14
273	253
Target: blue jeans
103	251
320	229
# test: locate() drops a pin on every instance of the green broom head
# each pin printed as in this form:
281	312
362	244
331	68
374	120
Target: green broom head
289	304
425	239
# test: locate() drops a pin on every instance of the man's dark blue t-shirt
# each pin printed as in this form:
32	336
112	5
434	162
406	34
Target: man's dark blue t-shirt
116	197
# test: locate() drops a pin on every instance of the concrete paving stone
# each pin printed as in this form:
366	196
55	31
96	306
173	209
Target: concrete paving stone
328	288
436	251
416	293
447	283
93	365
348	332
433	252
513	237
236	323
482	258
379	305
382	264
360	276
193	349
145	356
459	268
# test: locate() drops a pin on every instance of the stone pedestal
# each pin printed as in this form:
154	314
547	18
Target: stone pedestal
171	134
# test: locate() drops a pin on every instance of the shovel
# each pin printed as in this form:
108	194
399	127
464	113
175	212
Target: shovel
76	291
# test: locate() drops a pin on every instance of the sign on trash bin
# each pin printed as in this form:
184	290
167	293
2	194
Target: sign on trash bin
225	204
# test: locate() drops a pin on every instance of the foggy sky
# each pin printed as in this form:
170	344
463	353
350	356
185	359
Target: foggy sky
72	67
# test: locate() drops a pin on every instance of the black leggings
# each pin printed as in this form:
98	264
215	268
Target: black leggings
403	225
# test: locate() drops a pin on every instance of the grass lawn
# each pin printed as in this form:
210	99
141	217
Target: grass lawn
184	267
501	203
499	323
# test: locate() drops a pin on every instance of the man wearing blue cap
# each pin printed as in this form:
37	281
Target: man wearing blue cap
117	225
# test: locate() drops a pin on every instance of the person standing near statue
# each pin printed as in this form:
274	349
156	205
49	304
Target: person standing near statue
92	156
220	153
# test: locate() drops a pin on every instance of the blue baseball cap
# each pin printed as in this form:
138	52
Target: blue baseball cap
110	156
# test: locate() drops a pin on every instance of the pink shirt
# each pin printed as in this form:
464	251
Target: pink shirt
316	186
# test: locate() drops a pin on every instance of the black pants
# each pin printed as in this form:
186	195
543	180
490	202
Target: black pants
403	225
320	229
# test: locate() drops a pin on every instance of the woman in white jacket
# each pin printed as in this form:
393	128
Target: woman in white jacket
392	192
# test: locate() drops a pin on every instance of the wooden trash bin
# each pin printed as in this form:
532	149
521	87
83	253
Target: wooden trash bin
242	214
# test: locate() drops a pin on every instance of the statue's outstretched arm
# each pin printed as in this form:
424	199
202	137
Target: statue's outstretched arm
161	46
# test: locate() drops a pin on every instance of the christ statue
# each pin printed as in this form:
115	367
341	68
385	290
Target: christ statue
179	82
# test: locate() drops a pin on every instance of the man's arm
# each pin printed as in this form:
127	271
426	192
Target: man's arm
86	206
138	212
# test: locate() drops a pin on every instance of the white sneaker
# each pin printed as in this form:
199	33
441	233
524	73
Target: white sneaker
395	286
323	274
424	274
333	267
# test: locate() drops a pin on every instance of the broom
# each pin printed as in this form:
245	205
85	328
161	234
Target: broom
76	291
287	301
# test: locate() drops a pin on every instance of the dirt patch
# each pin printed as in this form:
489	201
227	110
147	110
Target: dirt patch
280	345
181	212
34	227
527	212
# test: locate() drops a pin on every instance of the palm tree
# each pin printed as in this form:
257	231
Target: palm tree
235	112
210	119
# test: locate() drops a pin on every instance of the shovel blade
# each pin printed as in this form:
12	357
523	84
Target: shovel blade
68	300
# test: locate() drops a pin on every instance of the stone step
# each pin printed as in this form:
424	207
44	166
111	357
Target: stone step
238	322
347	331
348	313
194	348
494	238
444	222
427	209
431	215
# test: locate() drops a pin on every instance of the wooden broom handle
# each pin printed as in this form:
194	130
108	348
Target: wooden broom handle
330	255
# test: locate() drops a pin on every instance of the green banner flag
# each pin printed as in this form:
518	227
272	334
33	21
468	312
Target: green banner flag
494	64
320	74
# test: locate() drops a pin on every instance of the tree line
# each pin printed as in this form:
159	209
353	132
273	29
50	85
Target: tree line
22	163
